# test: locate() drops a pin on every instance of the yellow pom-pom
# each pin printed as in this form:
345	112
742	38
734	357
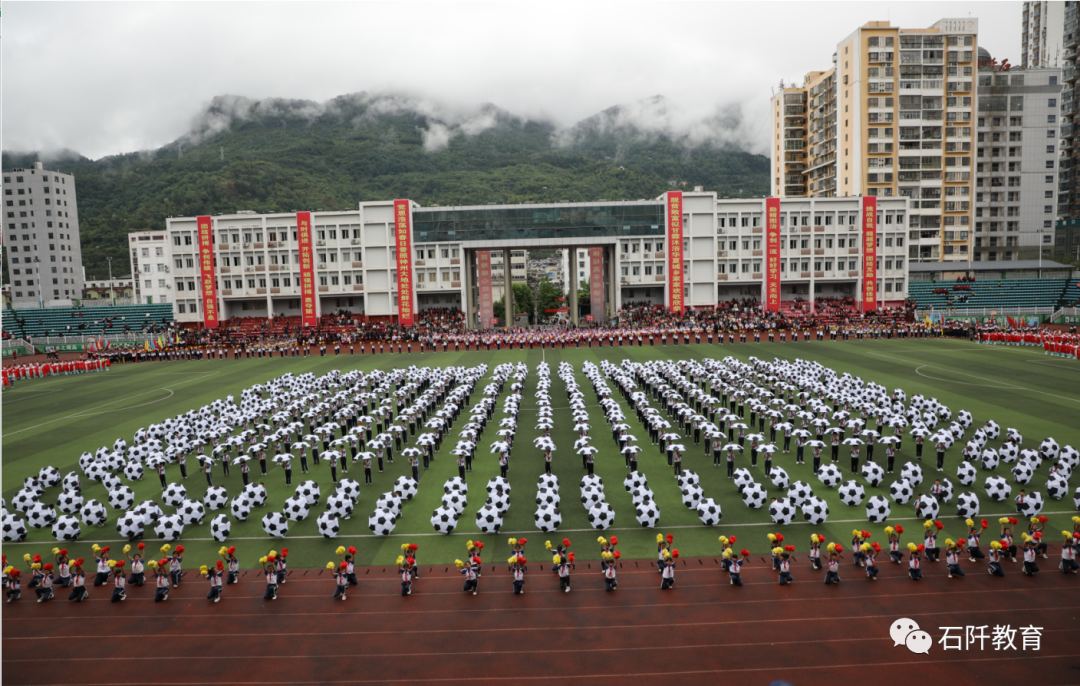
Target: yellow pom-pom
36	565
601	540
777	550
469	545
912	547
555	559
547	544
889	531
111	563
512	560
727	552
203	569
272	553
512	541
152	564
1066	534
95	547
1034	520
400	560
56	551
865	547
1003	520
660	538
127	548
949	542
831	547
772	537
855	533
459	564
928	524
223	550
404	547
996	545
262	560
340	550
26	557
166	548
970	522
667	554
1026	537
330	565
1076	519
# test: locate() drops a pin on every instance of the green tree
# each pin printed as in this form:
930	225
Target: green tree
583	295
548	295
523	302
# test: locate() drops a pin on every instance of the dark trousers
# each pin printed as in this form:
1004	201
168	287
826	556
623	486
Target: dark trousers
271	592
78	594
367	475
247	478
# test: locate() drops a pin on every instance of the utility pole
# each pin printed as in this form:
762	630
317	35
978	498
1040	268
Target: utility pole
112	291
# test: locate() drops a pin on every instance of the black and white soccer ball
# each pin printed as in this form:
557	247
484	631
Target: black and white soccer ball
548	481
946	490
33	485
1050	448
830	475
851	493
256	493
14	529
93	513
990	459
191	511
40	515
641	494
220	527
997	488
72	481
275	524
111	482
1008	453
66	528
967	505
309	491
328	524
815	510
927	506
174	494
133	471
634	480
170	527
488	519
85	460
49	476
547	496
779	478
339	506
149	511
499	501
901	491
122	498
913	473
1057	487
591	496
754	496
647	514
688	476
742	477
130	526
692	495
1032	505
406	486
382	522
592	480
966	473
455	500
350	488
782	510
964	418
455	484
95	471
602	516
296	508
873	473
1070	456
1023	472
498	484
708	511
444	519
1076	498
547	518
799	491
240	508
69	502
216	498
24	500
114	460
878	509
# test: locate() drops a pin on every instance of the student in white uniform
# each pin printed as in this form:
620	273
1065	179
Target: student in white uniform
517	569
78	581
119	583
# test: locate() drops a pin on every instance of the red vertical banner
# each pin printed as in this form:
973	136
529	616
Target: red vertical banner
772	254
403	241
869	253
206	272
676	300
483	280
596	284
307	270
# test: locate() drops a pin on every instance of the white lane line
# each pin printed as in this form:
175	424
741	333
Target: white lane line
1051	364
20	399
918	370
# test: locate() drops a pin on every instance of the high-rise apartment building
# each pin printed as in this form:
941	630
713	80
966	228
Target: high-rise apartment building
892	118
1068	186
1042	40
41	233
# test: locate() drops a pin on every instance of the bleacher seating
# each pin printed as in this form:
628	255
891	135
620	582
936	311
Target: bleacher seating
997	293
1071	296
38	323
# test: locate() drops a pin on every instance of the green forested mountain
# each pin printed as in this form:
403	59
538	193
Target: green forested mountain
286	155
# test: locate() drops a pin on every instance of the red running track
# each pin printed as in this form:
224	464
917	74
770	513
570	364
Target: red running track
703	630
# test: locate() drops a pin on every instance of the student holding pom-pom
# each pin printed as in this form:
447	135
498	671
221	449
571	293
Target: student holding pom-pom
517	569
994	567
668	574
952	558
340	579
609	564
870	551
119	581
161	579
895	554
78	581
915	561
833	575
735	566
214	574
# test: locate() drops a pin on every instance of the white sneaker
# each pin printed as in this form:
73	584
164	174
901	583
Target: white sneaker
474	592
218	599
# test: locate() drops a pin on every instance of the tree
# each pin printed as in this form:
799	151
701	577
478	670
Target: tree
523	302
548	297
584	297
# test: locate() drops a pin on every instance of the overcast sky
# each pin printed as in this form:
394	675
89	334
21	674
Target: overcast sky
103	78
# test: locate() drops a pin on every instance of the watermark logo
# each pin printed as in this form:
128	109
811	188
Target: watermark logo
906	632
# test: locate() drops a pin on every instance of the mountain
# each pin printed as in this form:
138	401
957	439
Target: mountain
286	155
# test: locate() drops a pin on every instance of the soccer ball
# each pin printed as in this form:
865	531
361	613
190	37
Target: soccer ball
14	529
546	496
499	501
169	527
49	476
149	511
130	526
591	496
1076	498
1070	456
1008	453
174	494
382	522
967	505
296	509
647	515
1033	504
94	513
742	477
799	491
256	493
71	481
455	501
779	478
1064	469
691	495
498	483
275	524
114	460
1057	487
782	510
220	527
488	519
966	473
216	497
96	470
830	475
455	484
927	506
946	490
997	488
444	519
111	482
873	473
309	491
328	525
122	498
547	518
1023	472
991	459
688	477
878	509
40	515
754	495
191	511
24	500
901	491
33	485
66	528
133	471
852	493
913	473
240	508
1049	447
69	502
641	494
592	480
964	418
85	460
634	480
339	506
548	481
708	511
406	486
602	516
815	510
349	488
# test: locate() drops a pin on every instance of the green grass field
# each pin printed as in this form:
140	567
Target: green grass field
52	421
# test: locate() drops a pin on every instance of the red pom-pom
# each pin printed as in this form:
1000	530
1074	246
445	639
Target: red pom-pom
789	548
670	538
839	548
985	524
961	542
921	547
864	534
617	554
220	564
570	557
63	551
411	560
479	545
47	567
566	542
141	546
521	560
522	541
899	529
271	558
732	539
163	562
876	547
675	553
36	558
284	552
1014	521
105	549
1043	519
614	540
344	564
1037	535
939	525
744	552
78	563
232	550
780	537
412	547
180	549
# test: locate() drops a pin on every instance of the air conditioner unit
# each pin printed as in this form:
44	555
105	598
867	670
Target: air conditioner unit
247	245
320	242
355	241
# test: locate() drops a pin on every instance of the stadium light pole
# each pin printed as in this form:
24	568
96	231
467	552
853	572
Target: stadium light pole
112	291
